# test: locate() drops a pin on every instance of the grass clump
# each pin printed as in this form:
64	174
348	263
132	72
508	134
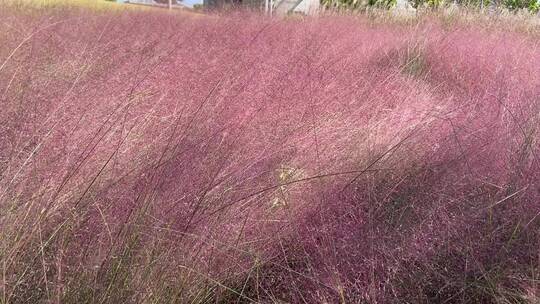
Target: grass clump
147	157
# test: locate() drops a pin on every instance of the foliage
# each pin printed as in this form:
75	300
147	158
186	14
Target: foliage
531	5
147	157
534	7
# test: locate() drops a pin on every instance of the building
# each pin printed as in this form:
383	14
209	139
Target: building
307	7
279	7
137	1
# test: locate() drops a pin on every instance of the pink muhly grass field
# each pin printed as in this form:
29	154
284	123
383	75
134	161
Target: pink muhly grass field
148	157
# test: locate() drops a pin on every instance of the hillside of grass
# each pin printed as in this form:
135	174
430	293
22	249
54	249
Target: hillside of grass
149	157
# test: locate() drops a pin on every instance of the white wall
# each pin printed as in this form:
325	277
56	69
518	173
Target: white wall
309	7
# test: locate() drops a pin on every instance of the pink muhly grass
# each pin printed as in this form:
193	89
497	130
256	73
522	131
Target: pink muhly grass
147	157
